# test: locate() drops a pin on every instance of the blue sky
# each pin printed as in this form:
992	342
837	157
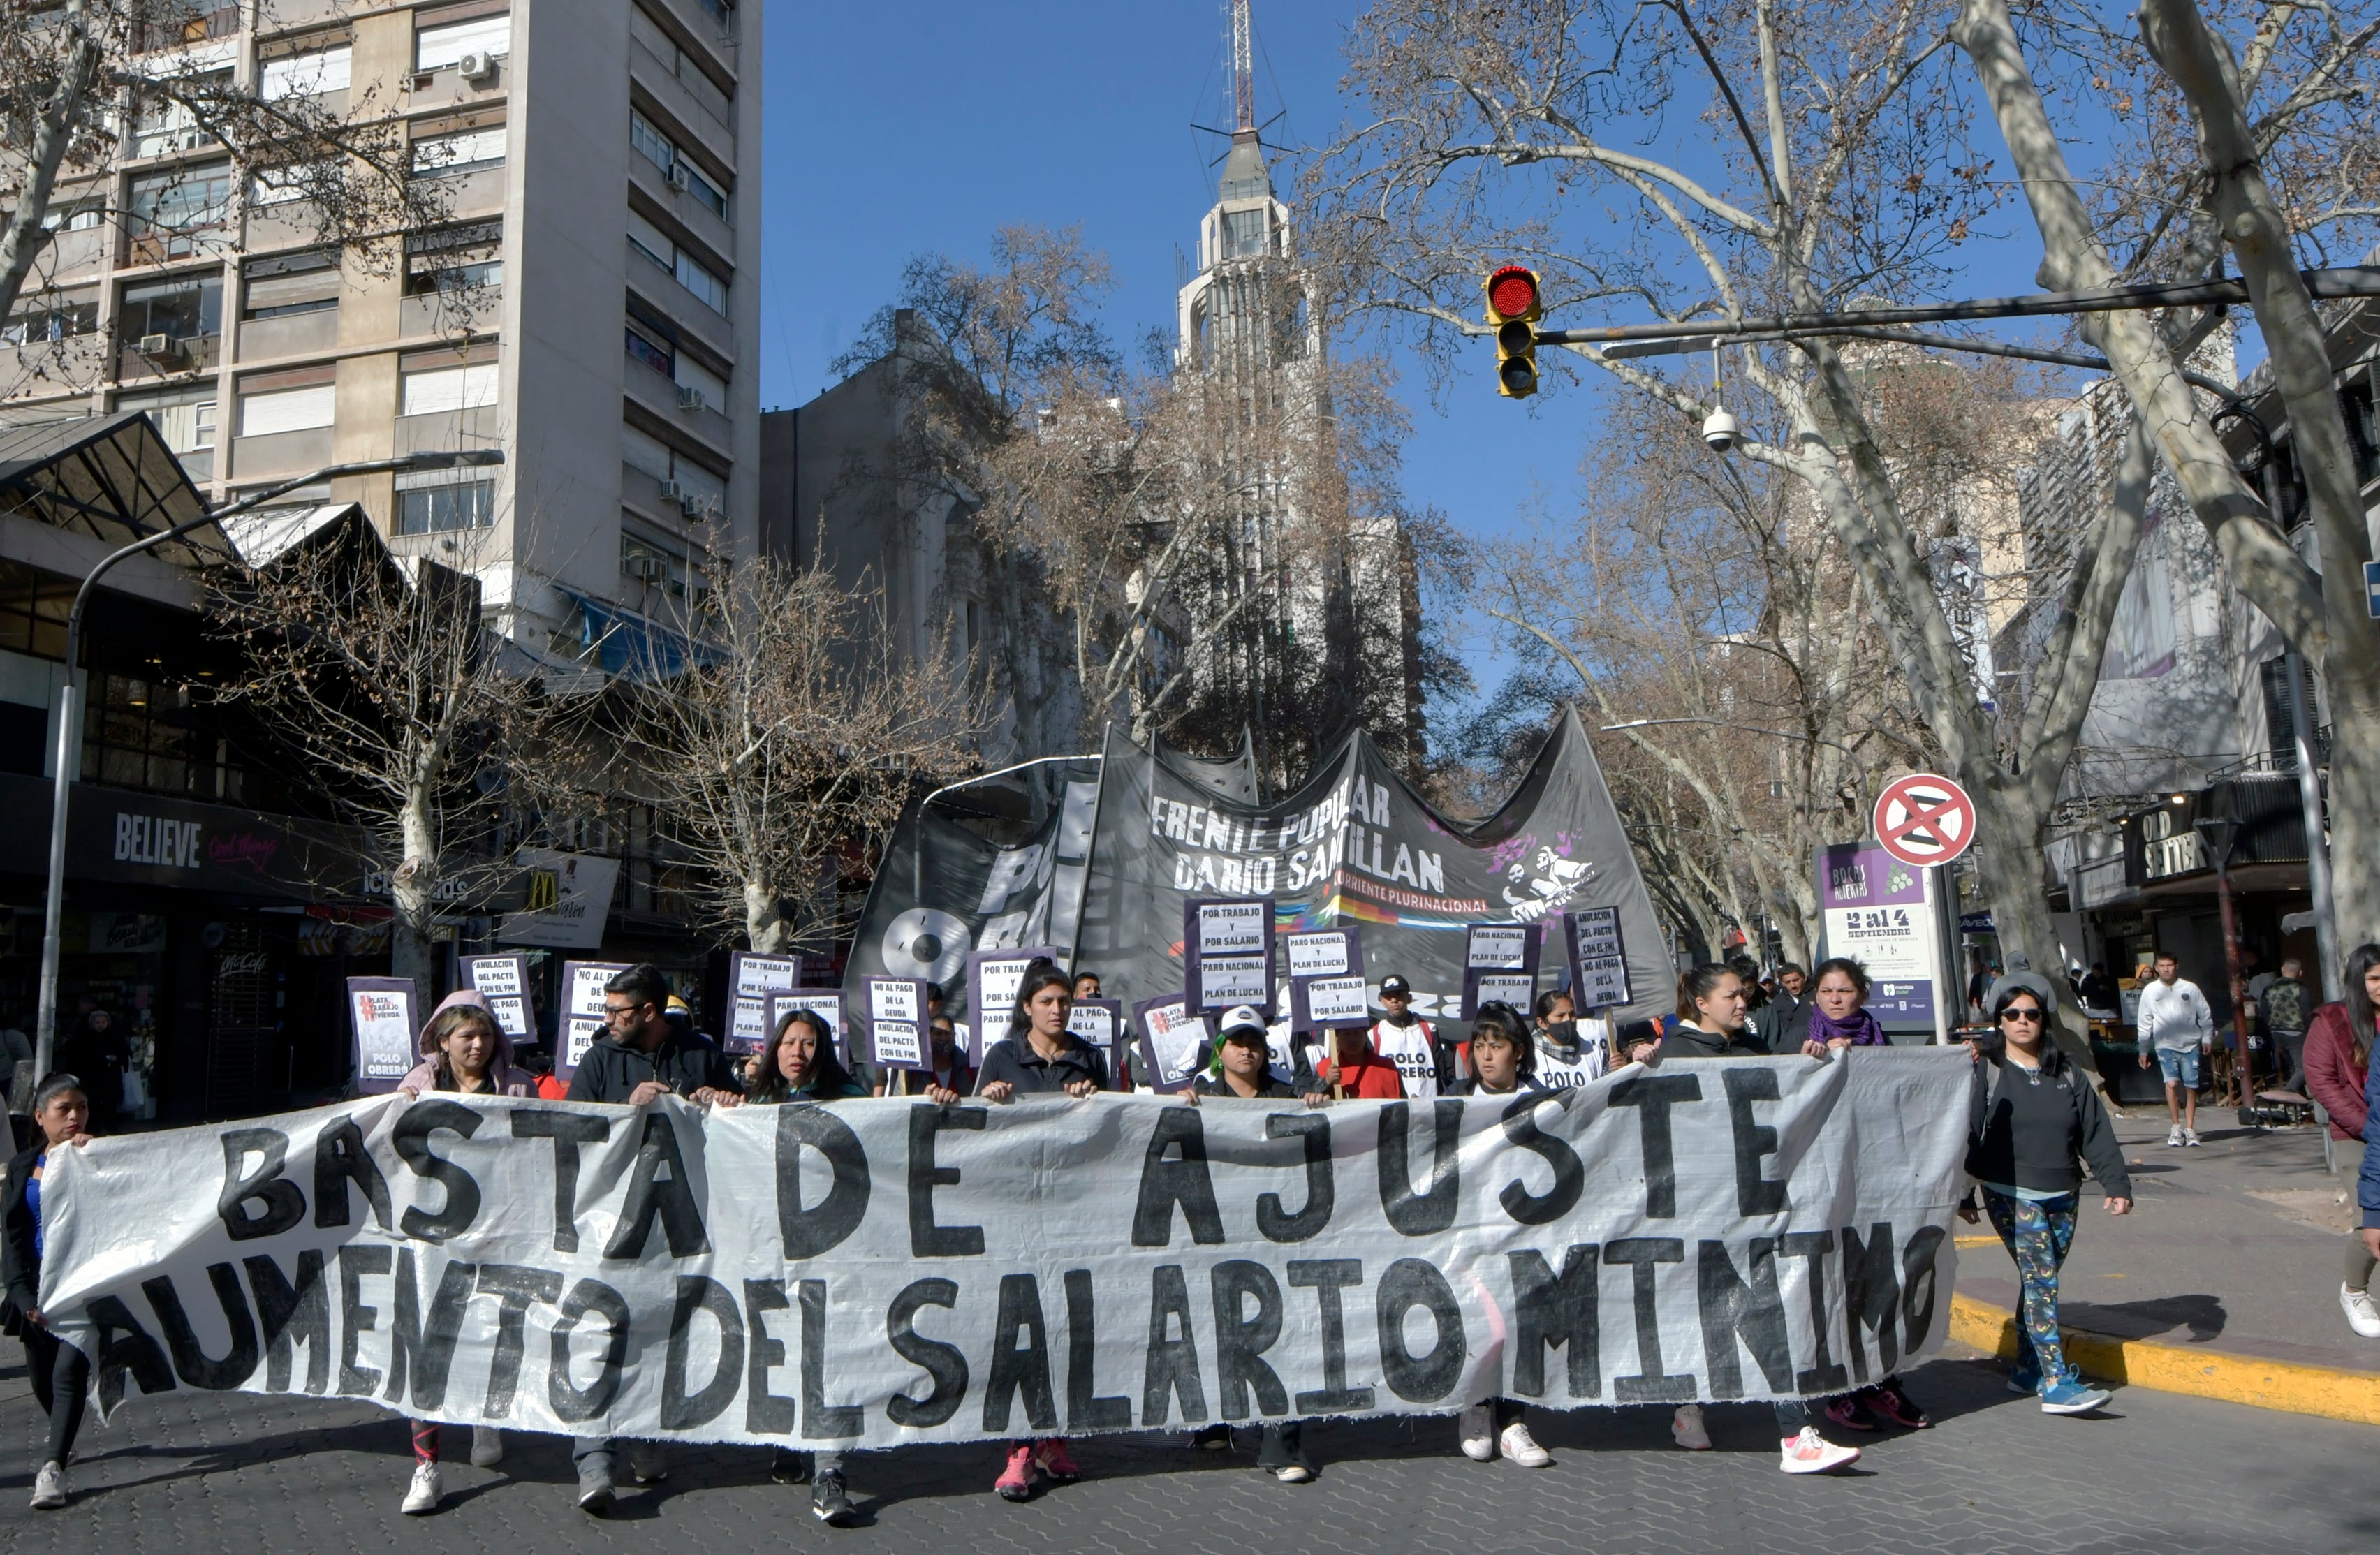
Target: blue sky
897	130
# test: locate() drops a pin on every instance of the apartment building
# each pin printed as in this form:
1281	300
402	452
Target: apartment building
589	305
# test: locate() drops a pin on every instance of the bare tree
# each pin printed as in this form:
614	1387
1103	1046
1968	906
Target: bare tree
1713	627
2276	99
87	81
1727	163
376	674
788	737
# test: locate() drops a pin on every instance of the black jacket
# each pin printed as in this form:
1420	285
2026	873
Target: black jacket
1692	1041
1014	1059
686	1061
1784	1024
1268	1088
20	1267
2026	1130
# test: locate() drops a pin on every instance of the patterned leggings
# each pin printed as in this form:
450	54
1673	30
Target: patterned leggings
2038	1232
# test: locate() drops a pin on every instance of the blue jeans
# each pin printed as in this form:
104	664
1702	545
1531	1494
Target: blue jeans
2181	1066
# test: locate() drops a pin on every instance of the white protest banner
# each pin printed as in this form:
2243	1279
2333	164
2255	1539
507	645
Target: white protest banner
1325	1002
992	979
824	1002
1174	1043
1499	962
582	1009
1333	954
1599	962
381	1010
1099	1021
502	981
883	1273
1227	951
752	978
895	1013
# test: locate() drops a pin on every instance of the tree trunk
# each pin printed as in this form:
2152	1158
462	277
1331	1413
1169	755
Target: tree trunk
413	887
2259	234
21	239
765	928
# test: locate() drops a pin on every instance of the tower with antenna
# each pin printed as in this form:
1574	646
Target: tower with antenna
1331	641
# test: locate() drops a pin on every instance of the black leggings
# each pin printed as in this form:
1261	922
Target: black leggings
61	1376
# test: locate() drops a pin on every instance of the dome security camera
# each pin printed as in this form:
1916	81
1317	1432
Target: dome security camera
1720	429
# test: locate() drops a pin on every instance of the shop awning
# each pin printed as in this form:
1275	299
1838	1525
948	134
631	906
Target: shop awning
109	477
624	643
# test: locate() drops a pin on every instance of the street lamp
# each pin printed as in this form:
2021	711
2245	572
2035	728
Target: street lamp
46	1020
2218	833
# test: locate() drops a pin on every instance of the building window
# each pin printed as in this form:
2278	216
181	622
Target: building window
1244	233
709	289
455	259
644	349
144	734
33	607
186	307
309	74
467	387
287	284
443	156
166	125
50	316
721	12
663	153
440	46
436	510
169	209
81	215
287	410
187	425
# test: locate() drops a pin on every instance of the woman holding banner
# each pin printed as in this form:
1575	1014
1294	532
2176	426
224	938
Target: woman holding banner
465	1052
1039	1056
799	1065
1713	1008
59	1372
1839	1014
1502	1064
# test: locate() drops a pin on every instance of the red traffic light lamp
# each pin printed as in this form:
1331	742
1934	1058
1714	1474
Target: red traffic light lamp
1513	307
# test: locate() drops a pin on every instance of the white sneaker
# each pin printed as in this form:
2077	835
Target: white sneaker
2173	1136
1812	1453
1522	1447
49	1487
428	1488
2190	1137
487	1446
1686	1429
1477	1431
2362	1314
1293	1474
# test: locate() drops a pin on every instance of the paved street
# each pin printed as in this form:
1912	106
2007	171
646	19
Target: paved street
2163	1474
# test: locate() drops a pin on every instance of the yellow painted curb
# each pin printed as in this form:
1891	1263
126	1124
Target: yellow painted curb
2289	1386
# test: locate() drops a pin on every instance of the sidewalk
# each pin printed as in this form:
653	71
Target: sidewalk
2233	1248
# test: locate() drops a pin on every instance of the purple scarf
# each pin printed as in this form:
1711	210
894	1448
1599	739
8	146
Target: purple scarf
1861	1030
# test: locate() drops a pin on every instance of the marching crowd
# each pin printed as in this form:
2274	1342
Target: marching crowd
2035	1122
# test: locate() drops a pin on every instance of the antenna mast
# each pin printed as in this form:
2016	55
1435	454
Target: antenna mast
1243	76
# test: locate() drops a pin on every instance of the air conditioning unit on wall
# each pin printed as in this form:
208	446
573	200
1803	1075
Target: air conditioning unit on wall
477	65
677	174
691	398
672	491
648	569
157	346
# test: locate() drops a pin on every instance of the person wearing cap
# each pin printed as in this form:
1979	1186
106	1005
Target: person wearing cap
1502	1059
462	1051
1404	1039
1243	1070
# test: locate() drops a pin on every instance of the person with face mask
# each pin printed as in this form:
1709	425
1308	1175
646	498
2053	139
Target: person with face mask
1567	1050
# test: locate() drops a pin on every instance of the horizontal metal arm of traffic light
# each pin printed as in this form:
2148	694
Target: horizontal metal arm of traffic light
2345	281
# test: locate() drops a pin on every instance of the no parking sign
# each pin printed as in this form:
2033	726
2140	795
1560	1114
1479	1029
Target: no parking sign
1923	820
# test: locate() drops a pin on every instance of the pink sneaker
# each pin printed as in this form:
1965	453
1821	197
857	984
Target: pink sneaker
1017	1481
1812	1453
1052	1459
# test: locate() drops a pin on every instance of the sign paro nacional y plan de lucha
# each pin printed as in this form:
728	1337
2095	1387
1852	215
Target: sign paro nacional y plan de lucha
884	1271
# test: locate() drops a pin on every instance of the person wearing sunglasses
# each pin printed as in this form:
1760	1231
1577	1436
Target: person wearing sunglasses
2036	1119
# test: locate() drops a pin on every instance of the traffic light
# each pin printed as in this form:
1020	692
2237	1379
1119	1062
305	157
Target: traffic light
1512	307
